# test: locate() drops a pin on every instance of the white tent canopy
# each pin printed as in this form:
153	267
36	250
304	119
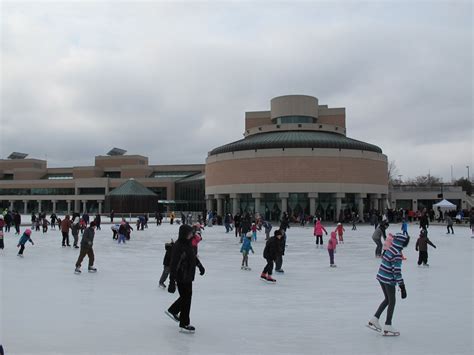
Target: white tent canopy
444	204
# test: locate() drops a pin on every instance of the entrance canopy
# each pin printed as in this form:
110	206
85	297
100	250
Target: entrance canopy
445	204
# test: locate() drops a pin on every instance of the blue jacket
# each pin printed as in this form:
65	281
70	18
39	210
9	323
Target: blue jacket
404	227
25	238
246	245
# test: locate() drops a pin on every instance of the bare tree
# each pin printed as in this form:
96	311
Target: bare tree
392	173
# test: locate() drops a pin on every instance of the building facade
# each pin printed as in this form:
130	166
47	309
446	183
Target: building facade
28	185
296	157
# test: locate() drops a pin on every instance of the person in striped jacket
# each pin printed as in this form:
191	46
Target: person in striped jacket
389	276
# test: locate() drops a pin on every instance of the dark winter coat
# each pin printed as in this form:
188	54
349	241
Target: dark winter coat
422	244
88	238
17	219
183	259
246	226
424	222
272	249
167	258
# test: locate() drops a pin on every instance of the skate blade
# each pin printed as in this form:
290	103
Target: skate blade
389	334
184	331
373	328
171	316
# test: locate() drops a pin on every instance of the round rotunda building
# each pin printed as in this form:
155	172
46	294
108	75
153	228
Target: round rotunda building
296	158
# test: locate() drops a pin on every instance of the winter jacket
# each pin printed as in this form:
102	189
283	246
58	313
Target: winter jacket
88	238
449	221
390	271
246	245
17	219
340	230
318	229
272	249
183	259
167	258
65	225
332	243
25	238
424	222
246	226
268	227
379	233
422	243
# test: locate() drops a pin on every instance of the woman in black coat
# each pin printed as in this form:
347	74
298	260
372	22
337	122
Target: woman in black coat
182	270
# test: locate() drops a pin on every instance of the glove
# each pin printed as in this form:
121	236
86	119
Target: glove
326	233
172	287
403	290
434	246
201	269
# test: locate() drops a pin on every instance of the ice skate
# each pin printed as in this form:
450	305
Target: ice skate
20	255
242	267
92	269
270	279
333	265
263	276
188	329
172	316
281	271
247	268
388	330
426	265
162	285
77	271
374	324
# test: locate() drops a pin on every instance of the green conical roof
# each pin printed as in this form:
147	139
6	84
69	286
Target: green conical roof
131	188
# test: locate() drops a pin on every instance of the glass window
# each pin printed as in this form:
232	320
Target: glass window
112	174
37	191
60	177
295	119
271	207
92	191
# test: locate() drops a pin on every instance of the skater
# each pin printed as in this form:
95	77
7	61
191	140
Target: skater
405	227
26	237
172	217
2	245
65	226
254	232
340	232
37	225
17	222
449	222
355	219
115	229
422	248
318	232
377	238
86	249
75	228
112	215
166	264
237	224
2	223
271	253
45	225
279	259
268	228
245	250
122	232
98	221
332	243
197	238
54	219
389	276
182	270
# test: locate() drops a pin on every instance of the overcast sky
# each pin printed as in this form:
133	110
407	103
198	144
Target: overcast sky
173	80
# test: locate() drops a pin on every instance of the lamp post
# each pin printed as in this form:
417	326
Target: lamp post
467	167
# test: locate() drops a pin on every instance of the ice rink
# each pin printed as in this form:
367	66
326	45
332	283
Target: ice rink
312	309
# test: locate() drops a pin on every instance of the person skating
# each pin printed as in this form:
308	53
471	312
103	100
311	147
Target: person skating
122	232
377	236
26	237
271	252
449	223
245	250
237	224
87	243
279	259
318	232
65	226
340	232
2	223
182	271
45	224
166	264
405	227
389	276
75	229
332	243
268	228
2	245
54	219
422	248
254	232
17	222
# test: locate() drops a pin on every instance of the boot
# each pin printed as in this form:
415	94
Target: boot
390	331
263	276
375	324
270	278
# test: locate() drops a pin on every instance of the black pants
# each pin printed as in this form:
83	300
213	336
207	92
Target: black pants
389	294
7	227
279	262
22	249
1	244
164	275
269	267
379	247
82	254
183	304
319	239
65	238
17	229
450	228
423	257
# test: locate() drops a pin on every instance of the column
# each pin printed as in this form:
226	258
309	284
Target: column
257	197
209	202
312	203
39	206
68	206
339	197
414	205
84	206
373	201
54	205
25	207
100	206
284	201
235	203
220	203
77	206
11	205
360	205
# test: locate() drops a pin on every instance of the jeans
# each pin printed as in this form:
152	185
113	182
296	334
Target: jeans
450	228
85	251
389	294
331	256
65	238
164	275
121	238
379	247
22	248
183	304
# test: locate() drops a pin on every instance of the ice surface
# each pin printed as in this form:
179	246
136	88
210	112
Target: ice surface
313	309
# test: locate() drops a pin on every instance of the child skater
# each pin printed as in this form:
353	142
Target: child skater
166	263
254	232
1	240
45	225
340	232
271	253
389	276
405	227
24	238
318	232
332	248
422	247
245	250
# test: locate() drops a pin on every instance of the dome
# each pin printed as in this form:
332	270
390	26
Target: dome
295	139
